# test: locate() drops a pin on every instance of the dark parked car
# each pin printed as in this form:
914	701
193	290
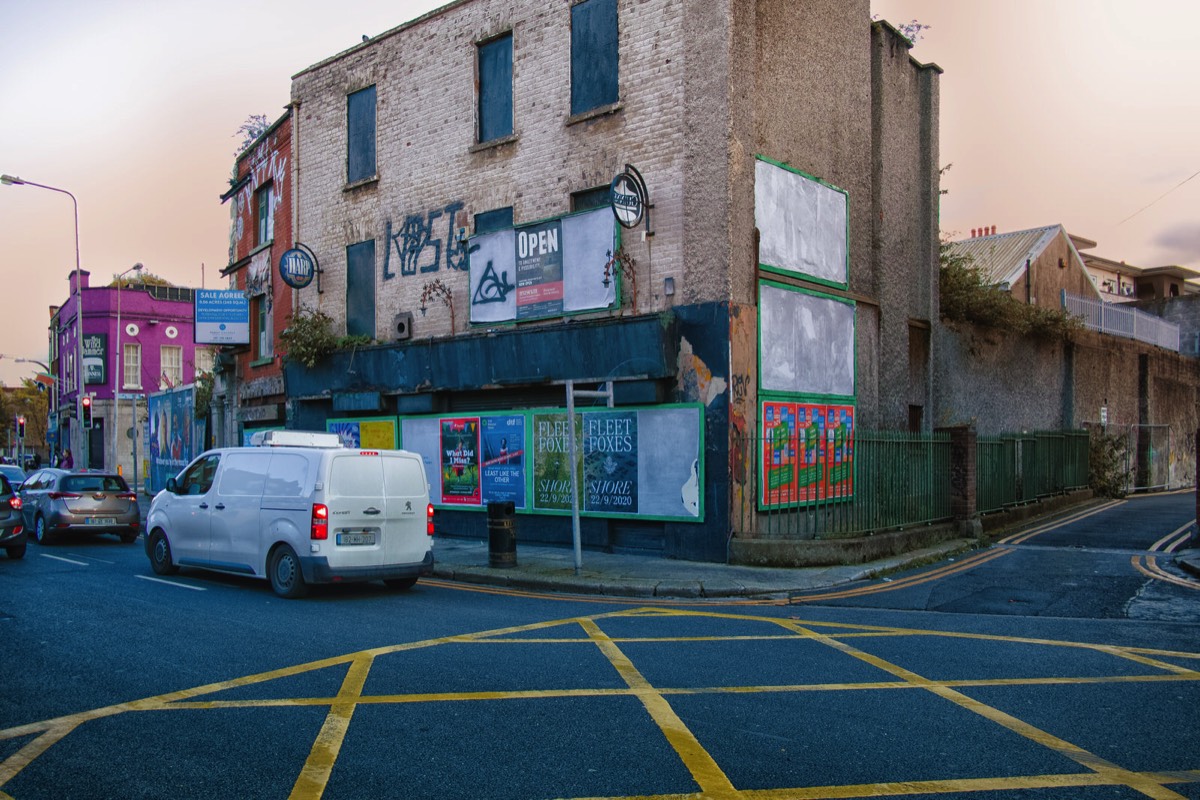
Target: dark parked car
15	475
56	501
12	526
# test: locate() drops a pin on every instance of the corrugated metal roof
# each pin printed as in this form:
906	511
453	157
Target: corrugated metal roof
1001	258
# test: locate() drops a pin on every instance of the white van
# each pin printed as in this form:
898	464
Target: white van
298	508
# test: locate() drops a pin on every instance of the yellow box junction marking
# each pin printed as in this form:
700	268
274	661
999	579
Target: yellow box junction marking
709	776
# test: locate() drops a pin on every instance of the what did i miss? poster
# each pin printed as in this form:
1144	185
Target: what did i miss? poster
460	461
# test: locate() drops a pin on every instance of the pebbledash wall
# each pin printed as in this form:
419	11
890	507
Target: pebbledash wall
1035	385
710	94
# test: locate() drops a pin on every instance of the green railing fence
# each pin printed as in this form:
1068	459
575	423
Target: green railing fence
886	480
1021	467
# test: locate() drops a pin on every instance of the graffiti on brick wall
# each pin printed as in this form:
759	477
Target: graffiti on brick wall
418	245
267	165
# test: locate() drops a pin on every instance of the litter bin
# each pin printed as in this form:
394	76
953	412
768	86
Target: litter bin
502	534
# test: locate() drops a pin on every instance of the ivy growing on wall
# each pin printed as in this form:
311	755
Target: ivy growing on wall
966	297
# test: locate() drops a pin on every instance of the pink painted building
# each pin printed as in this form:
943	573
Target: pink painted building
137	339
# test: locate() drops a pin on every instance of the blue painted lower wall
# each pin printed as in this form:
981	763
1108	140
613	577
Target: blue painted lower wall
525	367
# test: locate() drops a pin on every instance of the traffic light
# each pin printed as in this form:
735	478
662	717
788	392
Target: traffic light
20	427
87	412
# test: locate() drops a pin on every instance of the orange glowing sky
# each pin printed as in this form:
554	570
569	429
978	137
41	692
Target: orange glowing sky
1080	112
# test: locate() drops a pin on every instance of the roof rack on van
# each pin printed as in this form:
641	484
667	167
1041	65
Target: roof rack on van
295	439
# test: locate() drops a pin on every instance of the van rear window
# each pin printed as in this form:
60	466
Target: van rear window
403	477
356	476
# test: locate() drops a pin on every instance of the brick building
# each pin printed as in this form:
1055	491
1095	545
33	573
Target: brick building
452	177
249	394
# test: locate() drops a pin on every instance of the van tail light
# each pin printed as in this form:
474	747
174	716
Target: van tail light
14	503
64	496
429	519
320	521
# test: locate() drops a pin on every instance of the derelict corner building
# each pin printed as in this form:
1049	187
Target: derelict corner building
453	179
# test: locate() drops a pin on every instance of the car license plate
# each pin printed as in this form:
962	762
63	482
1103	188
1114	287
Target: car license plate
102	521
365	537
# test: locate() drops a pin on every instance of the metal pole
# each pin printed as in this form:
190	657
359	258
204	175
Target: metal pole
77	428
117	379
575	534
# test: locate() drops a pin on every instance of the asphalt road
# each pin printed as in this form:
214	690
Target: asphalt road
1043	668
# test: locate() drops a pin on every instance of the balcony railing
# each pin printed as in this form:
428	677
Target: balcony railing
1120	320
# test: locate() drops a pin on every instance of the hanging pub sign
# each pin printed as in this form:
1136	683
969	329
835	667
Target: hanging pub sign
296	268
629	197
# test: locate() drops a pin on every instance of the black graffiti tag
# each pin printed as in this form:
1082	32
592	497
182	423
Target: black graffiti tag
492	288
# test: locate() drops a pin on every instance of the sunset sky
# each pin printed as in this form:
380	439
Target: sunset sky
1080	112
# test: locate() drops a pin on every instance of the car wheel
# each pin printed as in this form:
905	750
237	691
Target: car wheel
400	584
286	578
17	551
39	530
160	555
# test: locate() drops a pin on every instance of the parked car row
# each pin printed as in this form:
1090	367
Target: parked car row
51	502
299	508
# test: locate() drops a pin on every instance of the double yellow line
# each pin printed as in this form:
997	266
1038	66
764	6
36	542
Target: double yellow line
1148	565
983	557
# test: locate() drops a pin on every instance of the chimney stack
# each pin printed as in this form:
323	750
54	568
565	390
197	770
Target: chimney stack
993	230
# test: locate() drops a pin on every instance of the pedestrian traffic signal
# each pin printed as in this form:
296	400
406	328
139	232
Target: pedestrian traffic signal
20	427
87	412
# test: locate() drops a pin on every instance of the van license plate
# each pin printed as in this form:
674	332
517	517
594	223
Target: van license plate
366	537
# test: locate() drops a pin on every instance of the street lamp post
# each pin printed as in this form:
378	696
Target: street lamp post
81	441
118	369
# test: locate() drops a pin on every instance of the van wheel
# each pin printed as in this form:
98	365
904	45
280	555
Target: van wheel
400	584
160	555
286	578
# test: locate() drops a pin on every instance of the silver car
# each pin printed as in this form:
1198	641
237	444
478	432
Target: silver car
56	501
12	526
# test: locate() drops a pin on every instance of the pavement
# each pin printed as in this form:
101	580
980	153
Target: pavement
552	569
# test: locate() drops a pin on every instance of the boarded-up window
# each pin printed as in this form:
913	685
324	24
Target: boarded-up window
360	289
360	135
497	219
495	88
593	55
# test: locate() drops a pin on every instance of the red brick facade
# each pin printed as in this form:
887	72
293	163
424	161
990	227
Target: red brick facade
260	202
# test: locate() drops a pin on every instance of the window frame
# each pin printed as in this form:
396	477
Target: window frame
362	165
264	218
127	349
489	106
175	379
592	89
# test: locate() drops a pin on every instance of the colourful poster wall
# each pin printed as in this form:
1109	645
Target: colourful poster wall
807	453
370	432
170	441
632	461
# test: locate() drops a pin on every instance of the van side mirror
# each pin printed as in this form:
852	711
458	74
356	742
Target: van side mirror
172	486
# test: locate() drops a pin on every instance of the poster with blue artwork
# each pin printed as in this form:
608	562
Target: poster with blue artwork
503	467
610	461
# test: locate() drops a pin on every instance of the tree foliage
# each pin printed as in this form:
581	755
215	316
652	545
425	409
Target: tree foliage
309	337
966	297
31	402
254	127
